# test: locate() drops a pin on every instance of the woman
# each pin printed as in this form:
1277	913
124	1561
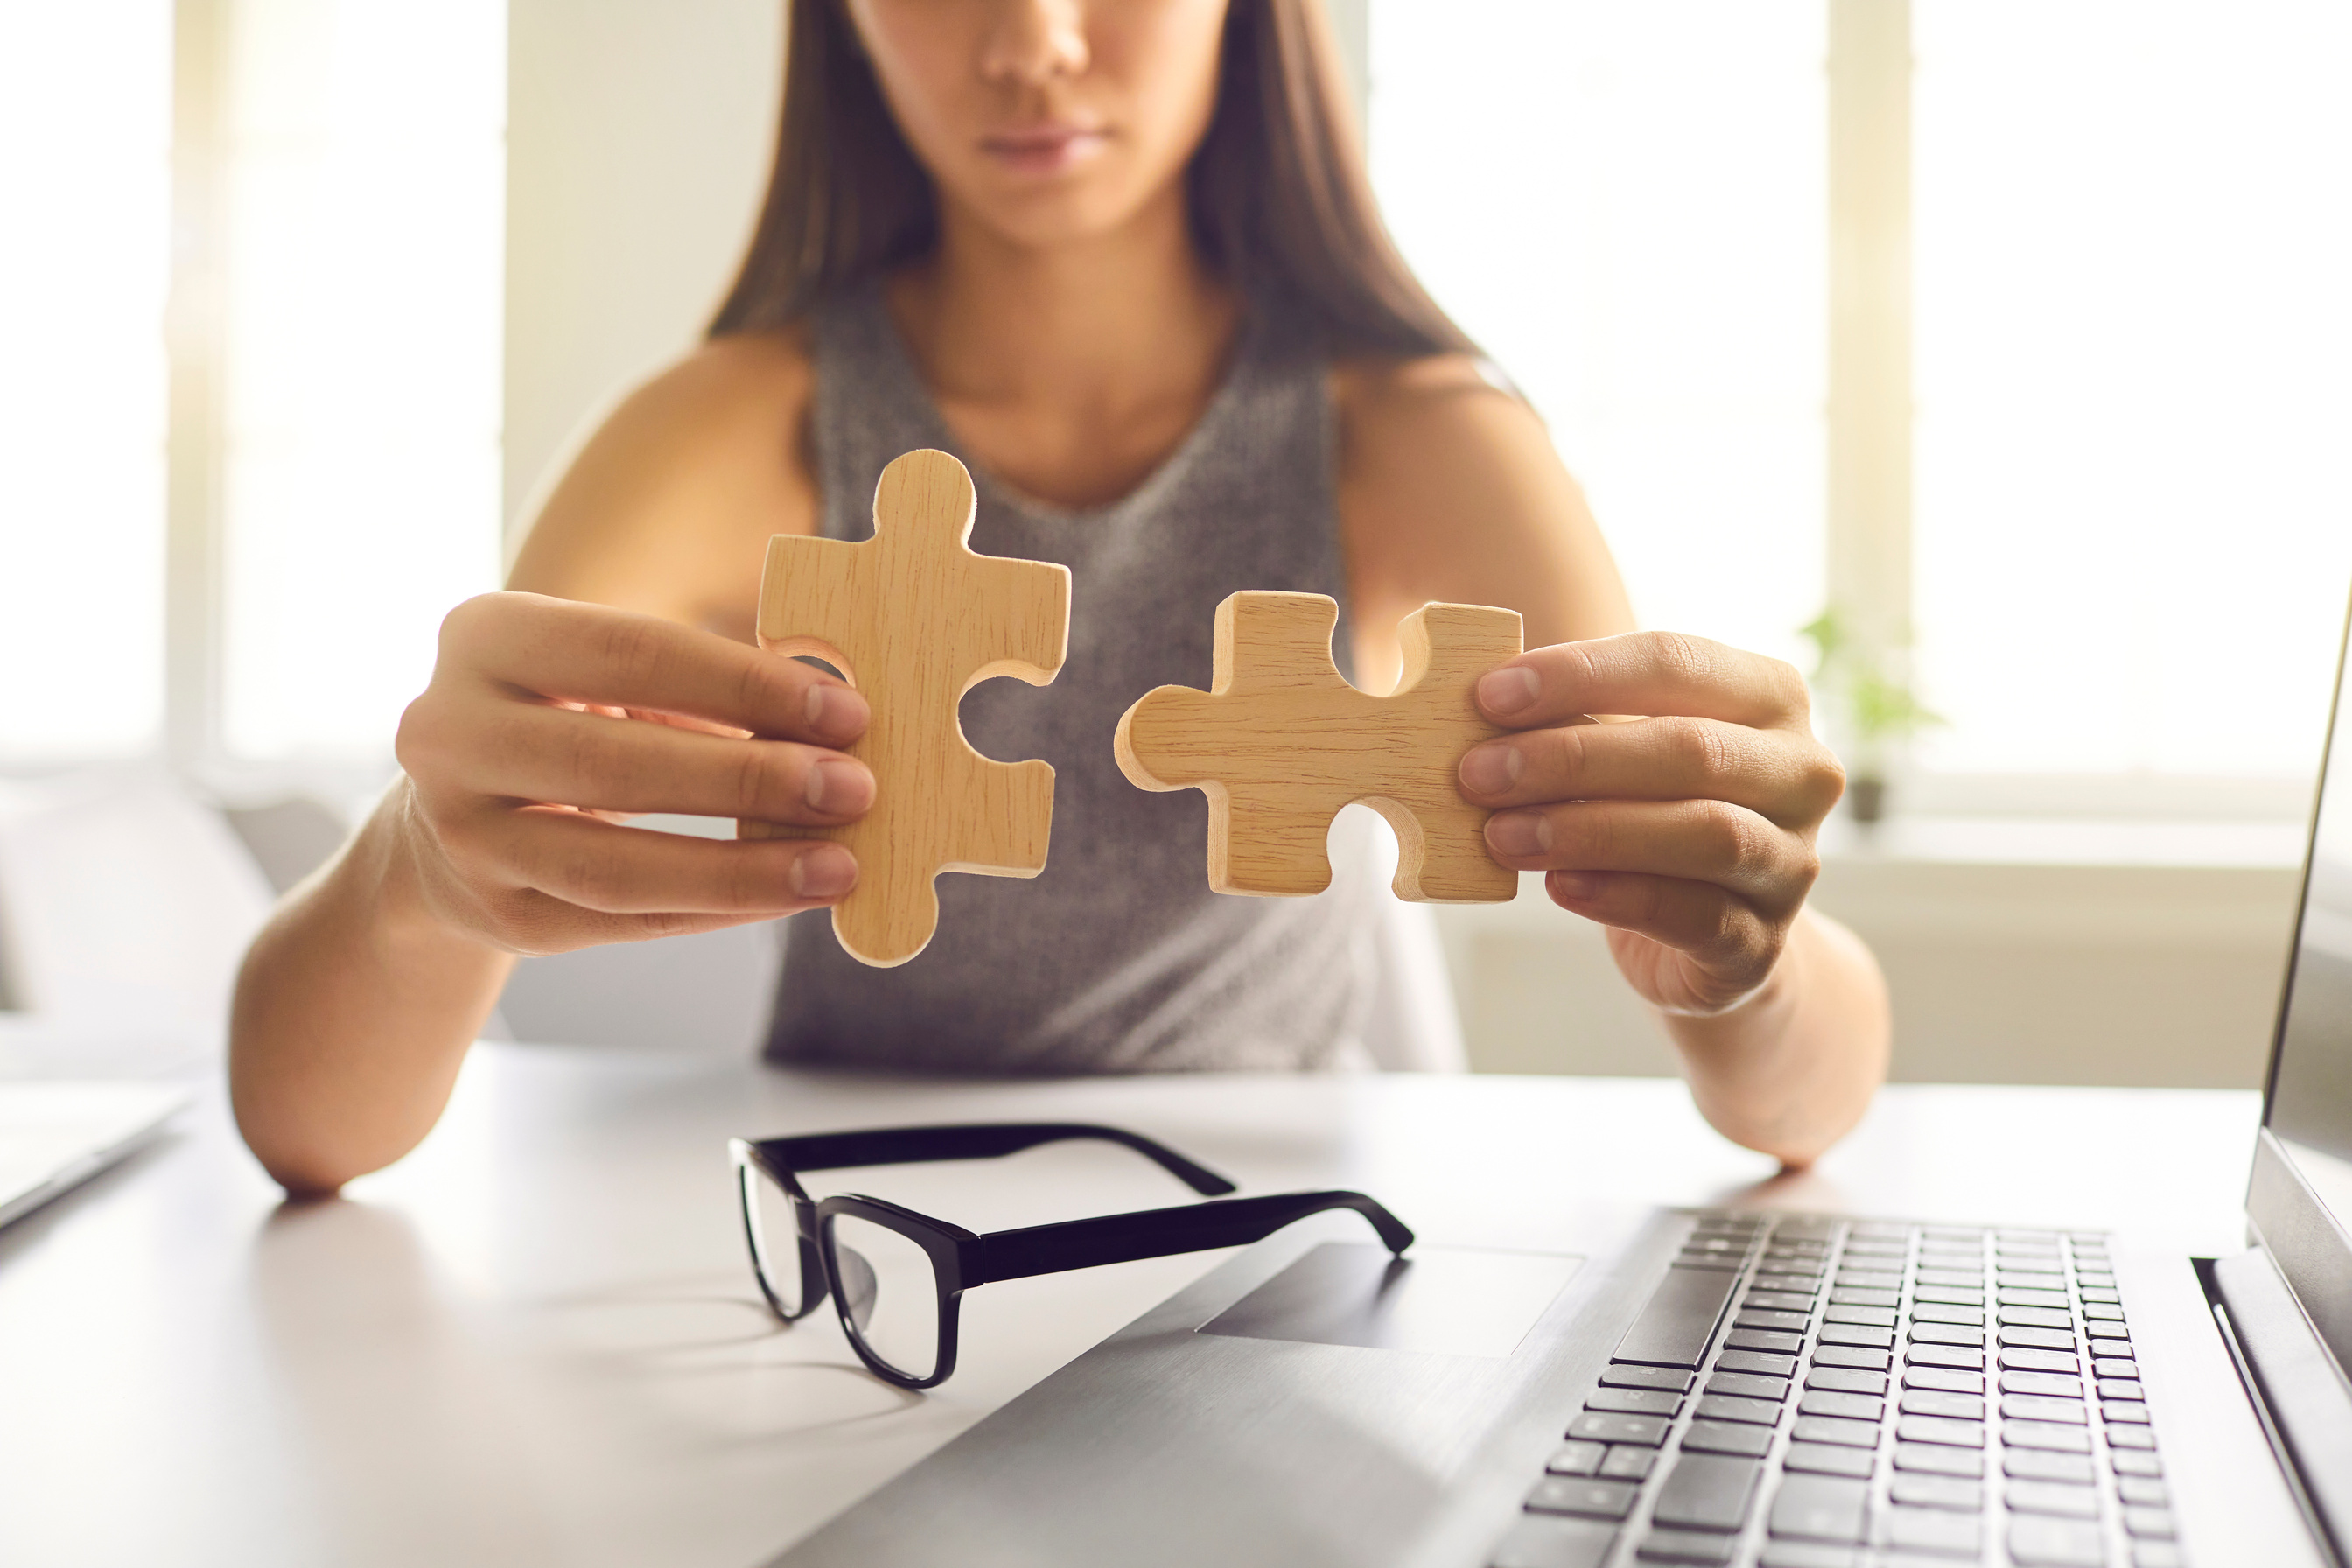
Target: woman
1120	257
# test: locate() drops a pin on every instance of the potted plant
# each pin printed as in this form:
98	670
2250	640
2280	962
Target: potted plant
1874	709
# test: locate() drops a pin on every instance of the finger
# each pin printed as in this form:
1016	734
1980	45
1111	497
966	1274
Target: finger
1718	933
1644	672
1701	840
563	651
597	866
1790	778
532	752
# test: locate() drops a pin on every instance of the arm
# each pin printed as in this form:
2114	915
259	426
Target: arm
546	720
1687	832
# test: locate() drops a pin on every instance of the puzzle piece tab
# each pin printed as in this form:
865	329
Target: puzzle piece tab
914	619
1280	741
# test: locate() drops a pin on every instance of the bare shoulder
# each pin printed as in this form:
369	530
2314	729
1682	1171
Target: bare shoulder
1449	488
680	484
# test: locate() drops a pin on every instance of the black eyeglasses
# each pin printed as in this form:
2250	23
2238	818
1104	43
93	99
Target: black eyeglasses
898	1277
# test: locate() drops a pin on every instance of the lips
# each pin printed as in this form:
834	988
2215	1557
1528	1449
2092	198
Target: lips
1045	149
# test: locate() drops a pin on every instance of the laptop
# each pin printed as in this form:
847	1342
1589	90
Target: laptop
54	1136
1782	1390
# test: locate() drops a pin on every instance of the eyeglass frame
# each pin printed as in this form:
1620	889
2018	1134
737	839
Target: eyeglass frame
963	1260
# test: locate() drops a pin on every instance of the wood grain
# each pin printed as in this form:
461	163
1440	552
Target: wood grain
1280	741
914	619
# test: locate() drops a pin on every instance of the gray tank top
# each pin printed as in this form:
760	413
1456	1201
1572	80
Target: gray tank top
1118	957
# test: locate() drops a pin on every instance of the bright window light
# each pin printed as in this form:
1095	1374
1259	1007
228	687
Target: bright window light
2132	251
85	204
364	250
1625	202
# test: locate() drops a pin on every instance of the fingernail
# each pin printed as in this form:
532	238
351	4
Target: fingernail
1572	885
1508	691
839	787
1519	832
1492	769
824	870
835	713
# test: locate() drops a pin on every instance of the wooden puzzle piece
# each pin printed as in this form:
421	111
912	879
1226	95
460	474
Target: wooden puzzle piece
914	619
1280	741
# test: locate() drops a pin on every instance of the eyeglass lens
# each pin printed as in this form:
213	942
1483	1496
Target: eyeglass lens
890	1293
775	1240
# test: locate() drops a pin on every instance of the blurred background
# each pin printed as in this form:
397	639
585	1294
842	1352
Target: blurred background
2007	347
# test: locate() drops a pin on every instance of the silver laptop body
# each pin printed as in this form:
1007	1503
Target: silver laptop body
1789	1391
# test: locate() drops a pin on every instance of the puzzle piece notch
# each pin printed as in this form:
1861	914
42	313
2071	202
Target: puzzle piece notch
1281	741
914	618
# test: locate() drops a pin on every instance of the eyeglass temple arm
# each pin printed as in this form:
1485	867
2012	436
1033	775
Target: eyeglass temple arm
980	1141
1161	1233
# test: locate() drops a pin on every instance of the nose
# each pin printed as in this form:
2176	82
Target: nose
1033	41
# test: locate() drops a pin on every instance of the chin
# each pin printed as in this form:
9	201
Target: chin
1067	212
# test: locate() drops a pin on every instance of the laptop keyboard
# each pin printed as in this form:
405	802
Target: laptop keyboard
1809	1392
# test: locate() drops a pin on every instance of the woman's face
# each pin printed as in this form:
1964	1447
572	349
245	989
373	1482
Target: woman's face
1047	120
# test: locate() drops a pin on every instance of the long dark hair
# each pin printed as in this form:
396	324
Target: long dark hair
1277	192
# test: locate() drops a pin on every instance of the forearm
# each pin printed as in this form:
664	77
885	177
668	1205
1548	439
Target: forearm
1788	1072
352	1014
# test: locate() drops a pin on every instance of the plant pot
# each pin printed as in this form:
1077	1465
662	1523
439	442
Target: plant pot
1866	799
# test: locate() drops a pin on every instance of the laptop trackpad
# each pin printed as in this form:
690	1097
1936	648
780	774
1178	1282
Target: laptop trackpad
1437	1300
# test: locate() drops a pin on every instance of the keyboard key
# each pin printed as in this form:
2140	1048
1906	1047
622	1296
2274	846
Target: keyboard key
2124	1462
1757	1318
1940	1429
1949	1379
1672	1379
2036	1318
1833	1429
2039	1464
2156	1554
2037	1339
2046	1435
1958	1295
1944	1312
2113	1338
1728	1437
1818	1507
1877	1317
1939	1491
2039	1360
1725	1407
1764	1340
1762	1361
1857	1334
1627	1463
1947	1334
1845	1380
2041	1408
1865	1280
1932	1529
2145	1492
1938	1402
1861	1356
2130	1438
1589	1498
2025	1496
2114	1366
1854	1296
1964	1356
1679	1318
2057	1384
1831	1402
1602	1426
2130	1411
2016	1298
1635	1401
1580	1458
1550	1541
1748	1385
1779	1301
2098	1293
1708	1491
2015	1280
2093	1310
1685	1546
2039	1542
1730	1263
1928	1460
1807	1554
1828	1459
1974	1277
2148	1523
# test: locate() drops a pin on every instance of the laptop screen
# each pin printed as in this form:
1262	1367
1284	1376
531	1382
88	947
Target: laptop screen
2310	1108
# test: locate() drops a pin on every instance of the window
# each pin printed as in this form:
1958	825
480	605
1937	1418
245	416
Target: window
2124	542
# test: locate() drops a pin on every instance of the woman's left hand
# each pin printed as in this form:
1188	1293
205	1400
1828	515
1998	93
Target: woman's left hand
1689	833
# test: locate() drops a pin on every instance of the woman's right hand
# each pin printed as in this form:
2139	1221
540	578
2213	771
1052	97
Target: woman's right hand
548	722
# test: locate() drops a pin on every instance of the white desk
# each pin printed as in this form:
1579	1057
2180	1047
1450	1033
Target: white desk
537	1340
